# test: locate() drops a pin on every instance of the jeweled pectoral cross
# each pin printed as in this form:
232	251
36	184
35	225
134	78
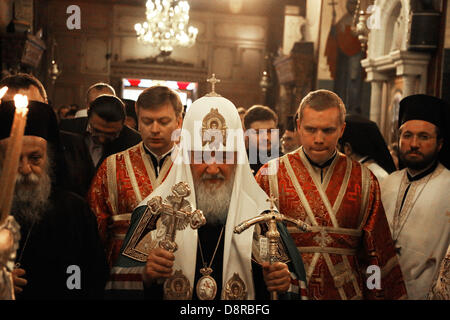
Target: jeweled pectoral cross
176	213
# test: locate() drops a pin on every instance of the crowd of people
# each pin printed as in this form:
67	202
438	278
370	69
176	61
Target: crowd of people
144	198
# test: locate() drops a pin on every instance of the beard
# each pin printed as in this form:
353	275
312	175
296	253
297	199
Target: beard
419	164
31	197
214	200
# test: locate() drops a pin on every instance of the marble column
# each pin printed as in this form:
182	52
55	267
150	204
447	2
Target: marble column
376	100
409	84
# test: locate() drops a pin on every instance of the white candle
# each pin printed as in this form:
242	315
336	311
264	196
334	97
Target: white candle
12	156
21	103
2	92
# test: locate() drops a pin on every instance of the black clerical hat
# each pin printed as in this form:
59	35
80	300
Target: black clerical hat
423	107
430	109
366	140
41	121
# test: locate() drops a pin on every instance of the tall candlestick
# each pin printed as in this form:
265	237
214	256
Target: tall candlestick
12	156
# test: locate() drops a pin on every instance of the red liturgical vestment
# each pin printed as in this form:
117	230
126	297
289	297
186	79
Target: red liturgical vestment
350	231
122	181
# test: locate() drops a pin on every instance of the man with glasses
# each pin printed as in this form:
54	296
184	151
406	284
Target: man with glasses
90	140
416	198
125	178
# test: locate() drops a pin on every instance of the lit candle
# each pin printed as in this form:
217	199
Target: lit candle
2	92
12	156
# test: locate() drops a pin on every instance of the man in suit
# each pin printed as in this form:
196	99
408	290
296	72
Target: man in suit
90	140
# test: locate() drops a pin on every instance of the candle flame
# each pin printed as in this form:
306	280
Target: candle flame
3	91
21	103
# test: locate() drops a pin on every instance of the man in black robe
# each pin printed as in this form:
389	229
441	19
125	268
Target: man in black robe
60	255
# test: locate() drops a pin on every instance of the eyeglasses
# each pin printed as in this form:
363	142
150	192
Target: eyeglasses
423	137
98	133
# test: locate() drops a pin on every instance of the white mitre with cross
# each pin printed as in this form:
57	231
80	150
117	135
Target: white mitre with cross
212	123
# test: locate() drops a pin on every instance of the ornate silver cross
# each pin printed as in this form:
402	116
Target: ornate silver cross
176	213
271	218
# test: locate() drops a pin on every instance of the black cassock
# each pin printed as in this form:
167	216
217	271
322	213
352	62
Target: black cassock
61	246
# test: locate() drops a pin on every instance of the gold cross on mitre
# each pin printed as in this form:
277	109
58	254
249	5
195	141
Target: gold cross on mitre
213	80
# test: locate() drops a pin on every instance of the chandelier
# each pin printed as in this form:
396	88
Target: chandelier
167	25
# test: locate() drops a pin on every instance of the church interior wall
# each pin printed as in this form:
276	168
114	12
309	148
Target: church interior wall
234	41
231	46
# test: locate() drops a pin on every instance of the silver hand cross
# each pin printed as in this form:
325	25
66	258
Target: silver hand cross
272	234
176	213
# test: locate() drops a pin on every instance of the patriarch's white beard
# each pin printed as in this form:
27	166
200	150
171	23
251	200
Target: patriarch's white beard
214	200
